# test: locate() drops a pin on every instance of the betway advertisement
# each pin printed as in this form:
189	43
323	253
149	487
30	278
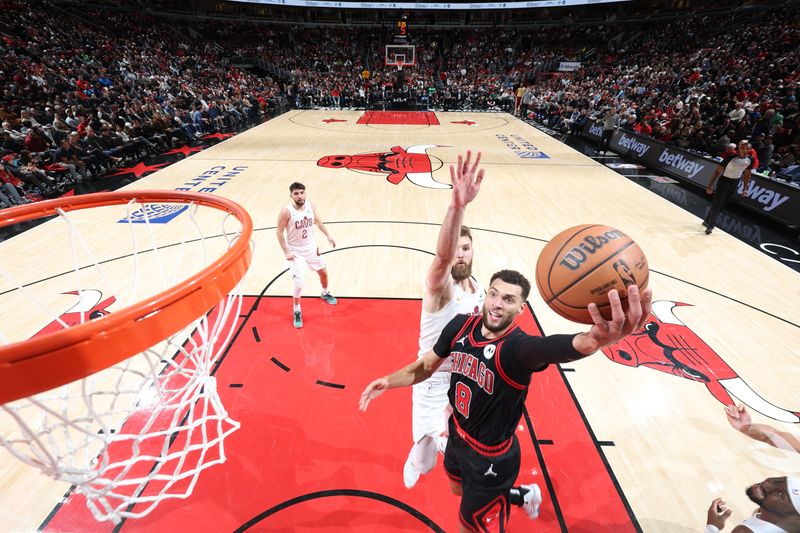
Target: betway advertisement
773	199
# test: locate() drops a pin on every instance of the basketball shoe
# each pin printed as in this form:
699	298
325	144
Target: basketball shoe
298	319
410	472
531	500
328	297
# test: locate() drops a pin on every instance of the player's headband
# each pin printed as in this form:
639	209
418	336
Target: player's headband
793	484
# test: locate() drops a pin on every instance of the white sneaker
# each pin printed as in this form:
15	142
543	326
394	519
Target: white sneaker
532	500
410	473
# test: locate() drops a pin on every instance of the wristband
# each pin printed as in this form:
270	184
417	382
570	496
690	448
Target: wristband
711	529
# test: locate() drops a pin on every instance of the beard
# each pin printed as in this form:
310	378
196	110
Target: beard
301	201
762	503
460	272
749	492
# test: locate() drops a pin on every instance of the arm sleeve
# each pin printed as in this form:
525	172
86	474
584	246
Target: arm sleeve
442	346
535	353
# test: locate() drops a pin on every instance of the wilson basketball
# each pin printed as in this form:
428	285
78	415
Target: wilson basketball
582	264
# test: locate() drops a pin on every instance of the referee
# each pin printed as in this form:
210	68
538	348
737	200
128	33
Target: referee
732	168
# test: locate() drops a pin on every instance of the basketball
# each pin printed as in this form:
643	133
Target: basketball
582	264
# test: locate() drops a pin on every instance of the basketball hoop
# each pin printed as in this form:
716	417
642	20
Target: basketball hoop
400	53
122	403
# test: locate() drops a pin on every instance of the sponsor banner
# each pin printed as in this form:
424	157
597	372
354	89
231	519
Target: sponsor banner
593	130
686	165
569	66
774	199
522	148
331	4
208	181
630	144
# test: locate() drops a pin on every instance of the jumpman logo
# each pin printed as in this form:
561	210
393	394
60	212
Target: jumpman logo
490	472
462	341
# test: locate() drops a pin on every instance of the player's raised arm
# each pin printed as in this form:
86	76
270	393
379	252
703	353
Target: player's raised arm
466	178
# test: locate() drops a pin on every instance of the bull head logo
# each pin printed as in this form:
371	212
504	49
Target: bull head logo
88	307
666	344
398	164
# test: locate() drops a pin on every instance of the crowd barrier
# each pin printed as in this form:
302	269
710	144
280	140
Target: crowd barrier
778	200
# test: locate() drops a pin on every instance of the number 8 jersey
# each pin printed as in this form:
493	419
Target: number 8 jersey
490	377
300	230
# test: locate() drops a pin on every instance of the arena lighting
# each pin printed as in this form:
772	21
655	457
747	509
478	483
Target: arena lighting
329	4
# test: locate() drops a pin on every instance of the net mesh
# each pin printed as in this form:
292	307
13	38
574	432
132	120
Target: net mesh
143	430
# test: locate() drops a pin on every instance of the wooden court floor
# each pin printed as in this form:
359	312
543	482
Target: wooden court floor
650	417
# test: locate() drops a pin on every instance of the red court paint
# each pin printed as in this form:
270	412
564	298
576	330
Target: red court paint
409	118
306	458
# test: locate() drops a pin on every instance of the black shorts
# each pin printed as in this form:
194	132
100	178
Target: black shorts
486	480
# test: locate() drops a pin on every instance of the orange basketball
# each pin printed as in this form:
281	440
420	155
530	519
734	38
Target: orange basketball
581	264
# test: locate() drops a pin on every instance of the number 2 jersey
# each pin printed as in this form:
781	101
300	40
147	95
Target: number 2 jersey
490	377
300	230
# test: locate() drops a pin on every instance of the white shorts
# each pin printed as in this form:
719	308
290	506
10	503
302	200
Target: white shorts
429	405
298	266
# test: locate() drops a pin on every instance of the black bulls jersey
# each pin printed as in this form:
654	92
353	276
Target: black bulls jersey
490	377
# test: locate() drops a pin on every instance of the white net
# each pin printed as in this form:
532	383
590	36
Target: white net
141	431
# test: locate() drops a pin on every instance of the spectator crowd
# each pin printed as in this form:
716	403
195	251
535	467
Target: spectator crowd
80	98
84	93
700	83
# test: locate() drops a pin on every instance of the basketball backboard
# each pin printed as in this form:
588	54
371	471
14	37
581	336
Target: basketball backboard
401	55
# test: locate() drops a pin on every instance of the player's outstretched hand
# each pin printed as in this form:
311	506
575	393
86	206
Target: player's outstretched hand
466	179
332	242
605	332
738	417
373	390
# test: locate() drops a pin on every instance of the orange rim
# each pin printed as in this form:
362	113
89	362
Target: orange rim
43	363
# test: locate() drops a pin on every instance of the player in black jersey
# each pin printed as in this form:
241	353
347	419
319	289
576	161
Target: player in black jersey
493	361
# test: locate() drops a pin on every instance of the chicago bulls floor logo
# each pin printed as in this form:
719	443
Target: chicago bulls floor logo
666	344
88	307
412	163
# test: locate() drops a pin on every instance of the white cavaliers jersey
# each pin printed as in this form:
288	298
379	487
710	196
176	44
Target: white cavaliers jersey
300	230
756	525
432	324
